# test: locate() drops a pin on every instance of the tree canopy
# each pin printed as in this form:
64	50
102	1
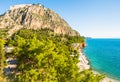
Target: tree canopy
46	57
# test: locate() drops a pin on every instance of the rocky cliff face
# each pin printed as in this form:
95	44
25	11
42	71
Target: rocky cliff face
34	17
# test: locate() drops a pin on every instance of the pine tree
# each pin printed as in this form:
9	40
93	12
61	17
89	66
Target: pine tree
2	56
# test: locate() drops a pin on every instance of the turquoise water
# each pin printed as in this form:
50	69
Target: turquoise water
104	56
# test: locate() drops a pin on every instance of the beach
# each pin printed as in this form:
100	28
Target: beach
106	79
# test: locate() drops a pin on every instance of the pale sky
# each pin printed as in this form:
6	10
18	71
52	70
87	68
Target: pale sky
91	18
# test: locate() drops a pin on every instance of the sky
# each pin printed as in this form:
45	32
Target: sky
91	18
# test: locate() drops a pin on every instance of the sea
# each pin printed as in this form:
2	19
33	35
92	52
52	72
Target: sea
104	56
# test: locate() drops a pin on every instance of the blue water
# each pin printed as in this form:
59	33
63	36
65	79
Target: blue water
104	56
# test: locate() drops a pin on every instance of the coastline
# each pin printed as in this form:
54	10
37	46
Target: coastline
106	79
85	63
104	57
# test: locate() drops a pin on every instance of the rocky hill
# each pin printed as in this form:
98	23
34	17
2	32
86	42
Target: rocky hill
33	16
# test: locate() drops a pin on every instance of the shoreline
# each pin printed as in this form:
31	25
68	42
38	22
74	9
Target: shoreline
106	79
85	64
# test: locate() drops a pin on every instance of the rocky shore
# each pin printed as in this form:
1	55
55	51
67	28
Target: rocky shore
83	61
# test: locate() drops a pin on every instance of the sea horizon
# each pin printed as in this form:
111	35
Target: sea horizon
103	38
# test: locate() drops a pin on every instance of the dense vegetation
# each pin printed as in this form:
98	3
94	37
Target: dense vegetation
3	32
46	57
2	58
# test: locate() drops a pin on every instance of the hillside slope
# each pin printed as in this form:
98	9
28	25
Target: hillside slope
34	17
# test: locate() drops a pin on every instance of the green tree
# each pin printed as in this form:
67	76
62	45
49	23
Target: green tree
2	55
2	59
46	57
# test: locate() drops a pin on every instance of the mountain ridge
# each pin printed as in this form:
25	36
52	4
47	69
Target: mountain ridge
34	16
